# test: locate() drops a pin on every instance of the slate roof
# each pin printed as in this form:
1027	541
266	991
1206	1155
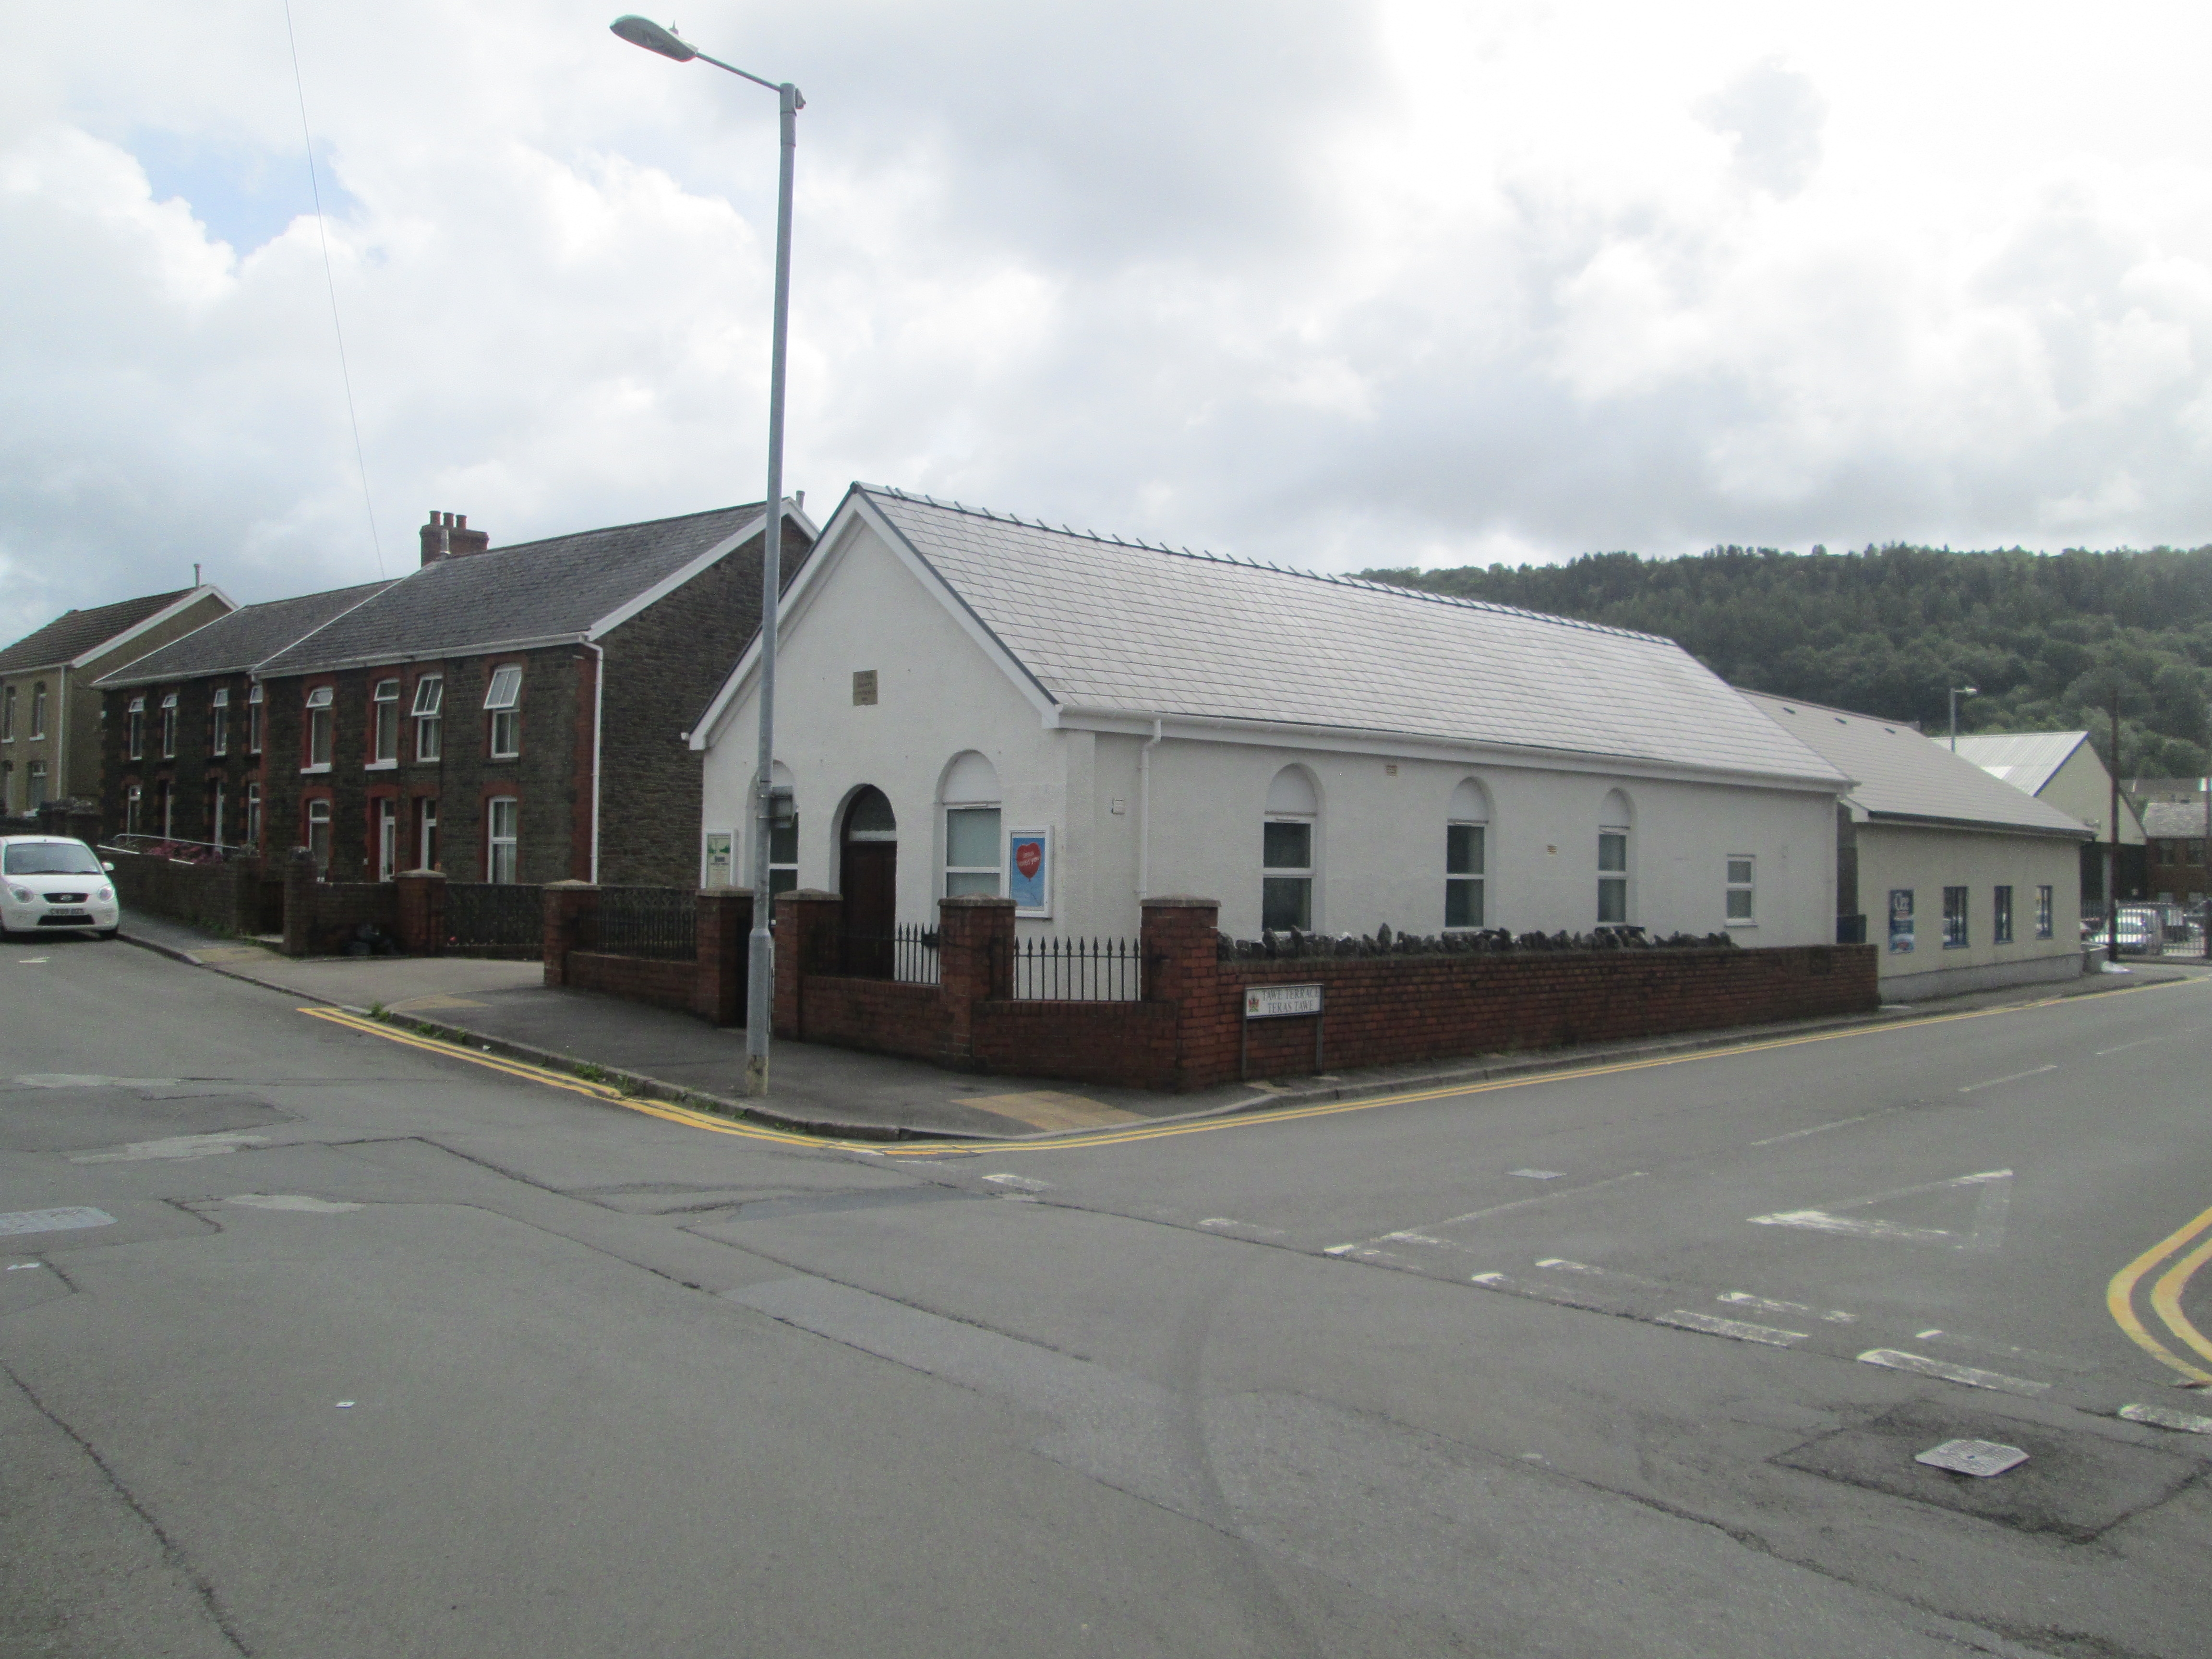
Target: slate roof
1901	776
530	592
73	633
2025	760
2173	819
245	638
1106	626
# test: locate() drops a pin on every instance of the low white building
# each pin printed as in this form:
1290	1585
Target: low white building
1963	881
968	702
2063	769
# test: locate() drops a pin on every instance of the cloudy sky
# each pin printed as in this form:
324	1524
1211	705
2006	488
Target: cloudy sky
1336	282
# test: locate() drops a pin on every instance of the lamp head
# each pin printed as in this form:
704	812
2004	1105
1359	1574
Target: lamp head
644	32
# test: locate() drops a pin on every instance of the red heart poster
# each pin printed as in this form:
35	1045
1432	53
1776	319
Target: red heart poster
1029	859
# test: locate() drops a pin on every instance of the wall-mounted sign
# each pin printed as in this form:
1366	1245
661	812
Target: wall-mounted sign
1275	1001
1028	872
1900	919
717	860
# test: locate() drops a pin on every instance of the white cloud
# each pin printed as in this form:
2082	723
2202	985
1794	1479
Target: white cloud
1385	282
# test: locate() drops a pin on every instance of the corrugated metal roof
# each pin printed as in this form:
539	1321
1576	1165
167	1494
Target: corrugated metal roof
73	633
538	590
1903	775
1114	627
2025	760
2173	819
245	638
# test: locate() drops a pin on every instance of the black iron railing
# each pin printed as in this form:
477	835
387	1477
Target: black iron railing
907	954
1078	970
503	917
660	923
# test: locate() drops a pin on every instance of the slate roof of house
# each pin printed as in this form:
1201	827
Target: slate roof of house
1107	626
1902	775
2025	760
2173	819
528	592
245	638
73	633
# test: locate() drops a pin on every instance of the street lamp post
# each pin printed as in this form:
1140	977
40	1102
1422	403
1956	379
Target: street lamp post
1956	692
760	982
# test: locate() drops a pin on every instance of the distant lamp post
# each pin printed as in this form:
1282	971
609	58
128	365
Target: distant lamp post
1956	692
760	985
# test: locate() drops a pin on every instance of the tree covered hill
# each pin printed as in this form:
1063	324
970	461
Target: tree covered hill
2047	638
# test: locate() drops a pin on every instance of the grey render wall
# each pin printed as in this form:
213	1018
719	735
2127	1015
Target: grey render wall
663	666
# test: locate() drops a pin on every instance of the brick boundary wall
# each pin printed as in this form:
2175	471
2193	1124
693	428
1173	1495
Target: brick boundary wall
321	916
225	897
712	985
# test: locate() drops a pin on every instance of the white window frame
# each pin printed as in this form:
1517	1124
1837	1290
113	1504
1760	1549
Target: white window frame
134	807
319	819
133	729
2043	898
383	725
1303	874
1613	877
2001	918
34	786
426	832
254	704
428	712
1744	886
985	880
322	722
389	836
1960	938
1475	881
218	723
253	812
39	709
218	797
169	720
782	838
503	851
502	700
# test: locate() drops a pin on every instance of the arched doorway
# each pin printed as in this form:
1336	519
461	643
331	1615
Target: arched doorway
867	876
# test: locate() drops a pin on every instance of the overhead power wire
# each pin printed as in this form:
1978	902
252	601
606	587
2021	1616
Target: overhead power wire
330	279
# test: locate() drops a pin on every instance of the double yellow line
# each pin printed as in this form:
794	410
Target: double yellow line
2181	1254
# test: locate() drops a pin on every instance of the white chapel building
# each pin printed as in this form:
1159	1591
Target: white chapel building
968	702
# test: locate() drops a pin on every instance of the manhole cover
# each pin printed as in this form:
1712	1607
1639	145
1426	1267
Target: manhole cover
2070	1483
1981	1457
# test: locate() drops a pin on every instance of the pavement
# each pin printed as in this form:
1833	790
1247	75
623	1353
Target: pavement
505	1008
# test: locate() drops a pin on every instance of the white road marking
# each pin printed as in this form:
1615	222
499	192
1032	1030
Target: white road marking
1019	1184
1537	1175
30	962
1768	1305
1822	1128
1978	1345
1738	1330
88	1080
54	1221
20	1266
1897	1360
1541	1292
1560	1264
297	1201
1422	1237
2160	1417
1217	1222
175	1146
1987	1234
1991	1083
2137	1043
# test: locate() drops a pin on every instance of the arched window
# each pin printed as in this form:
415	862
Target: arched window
1466	855
971	794
1286	882
1613	829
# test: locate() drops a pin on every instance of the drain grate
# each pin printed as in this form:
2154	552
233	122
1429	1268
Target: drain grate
1982	1458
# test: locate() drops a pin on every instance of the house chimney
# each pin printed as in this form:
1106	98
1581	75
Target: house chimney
448	536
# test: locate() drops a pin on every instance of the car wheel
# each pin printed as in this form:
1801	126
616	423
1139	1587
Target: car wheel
107	932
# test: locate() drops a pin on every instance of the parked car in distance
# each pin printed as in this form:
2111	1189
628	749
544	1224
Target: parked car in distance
50	882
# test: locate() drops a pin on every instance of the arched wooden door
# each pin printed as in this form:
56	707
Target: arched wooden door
867	871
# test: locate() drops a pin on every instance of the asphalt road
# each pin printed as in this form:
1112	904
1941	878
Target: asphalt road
363	1349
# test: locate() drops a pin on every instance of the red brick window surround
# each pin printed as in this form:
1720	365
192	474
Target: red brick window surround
503	705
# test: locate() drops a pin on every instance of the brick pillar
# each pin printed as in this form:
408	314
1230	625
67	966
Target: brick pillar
1183	966
809	925
725	929
423	913
974	964
566	904
300	903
